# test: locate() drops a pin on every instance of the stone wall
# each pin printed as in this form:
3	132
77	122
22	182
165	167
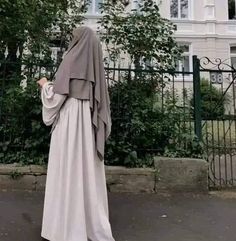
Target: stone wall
169	175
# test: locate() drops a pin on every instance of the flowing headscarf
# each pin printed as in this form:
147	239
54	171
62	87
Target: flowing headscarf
84	61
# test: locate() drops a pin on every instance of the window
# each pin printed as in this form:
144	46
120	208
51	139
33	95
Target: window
232	9
94	7
179	9
57	49
185	62
233	56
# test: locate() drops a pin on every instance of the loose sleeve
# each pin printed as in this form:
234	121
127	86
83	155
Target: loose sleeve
52	103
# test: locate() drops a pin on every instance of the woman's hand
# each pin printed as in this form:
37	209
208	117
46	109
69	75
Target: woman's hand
42	81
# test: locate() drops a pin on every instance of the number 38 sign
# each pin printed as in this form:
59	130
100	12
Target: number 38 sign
216	77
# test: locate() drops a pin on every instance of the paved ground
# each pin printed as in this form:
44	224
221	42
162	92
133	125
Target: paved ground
133	217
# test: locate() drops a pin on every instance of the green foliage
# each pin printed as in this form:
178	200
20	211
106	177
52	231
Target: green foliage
140	35
144	124
30	24
213	101
15	175
24	138
188	146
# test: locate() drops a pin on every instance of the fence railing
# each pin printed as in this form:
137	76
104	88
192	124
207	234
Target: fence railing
174	113
153	111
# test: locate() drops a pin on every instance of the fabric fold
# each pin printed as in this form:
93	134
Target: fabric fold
84	62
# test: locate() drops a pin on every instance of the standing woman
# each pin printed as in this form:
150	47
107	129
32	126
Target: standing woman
77	105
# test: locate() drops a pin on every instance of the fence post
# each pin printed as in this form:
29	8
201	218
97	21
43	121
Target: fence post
197	98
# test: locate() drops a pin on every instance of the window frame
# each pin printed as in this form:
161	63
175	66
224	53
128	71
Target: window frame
93	10
179	11
188	54
232	55
232	19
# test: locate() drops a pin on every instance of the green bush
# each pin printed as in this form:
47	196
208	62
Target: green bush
143	126
23	136
213	101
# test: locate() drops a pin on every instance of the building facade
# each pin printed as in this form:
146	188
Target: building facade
204	27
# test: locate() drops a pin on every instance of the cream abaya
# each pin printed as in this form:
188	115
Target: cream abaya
75	205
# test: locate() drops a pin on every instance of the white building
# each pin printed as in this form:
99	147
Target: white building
204	27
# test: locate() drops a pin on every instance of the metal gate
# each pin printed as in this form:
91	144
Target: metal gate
215	117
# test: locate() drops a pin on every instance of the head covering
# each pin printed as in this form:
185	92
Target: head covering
84	61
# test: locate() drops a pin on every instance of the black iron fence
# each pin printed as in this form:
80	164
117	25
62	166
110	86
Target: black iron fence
152	113
172	113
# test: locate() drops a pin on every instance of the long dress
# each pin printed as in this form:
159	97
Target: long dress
75	204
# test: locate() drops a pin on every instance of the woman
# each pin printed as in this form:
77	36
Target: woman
77	105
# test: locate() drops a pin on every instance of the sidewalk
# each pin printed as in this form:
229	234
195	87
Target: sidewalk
147	217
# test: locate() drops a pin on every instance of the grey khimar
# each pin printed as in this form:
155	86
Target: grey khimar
81	75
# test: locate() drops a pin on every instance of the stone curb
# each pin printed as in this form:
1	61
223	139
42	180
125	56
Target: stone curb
119	179
177	174
169	175
132	180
